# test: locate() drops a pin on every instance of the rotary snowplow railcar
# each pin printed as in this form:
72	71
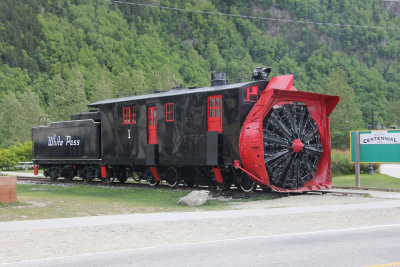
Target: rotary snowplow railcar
263	132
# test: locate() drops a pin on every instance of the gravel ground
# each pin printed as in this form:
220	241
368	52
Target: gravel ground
304	200
63	241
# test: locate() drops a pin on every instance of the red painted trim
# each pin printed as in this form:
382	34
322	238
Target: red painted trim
155	173
103	171
280	91
254	178
214	122
252	91
218	175
152	125
35	170
169	112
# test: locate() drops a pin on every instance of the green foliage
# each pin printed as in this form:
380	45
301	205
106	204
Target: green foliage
69	94
392	110
347	115
66	53
19	152
7	159
17	116
340	163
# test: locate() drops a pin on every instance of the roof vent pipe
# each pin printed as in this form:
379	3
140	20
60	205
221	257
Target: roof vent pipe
218	78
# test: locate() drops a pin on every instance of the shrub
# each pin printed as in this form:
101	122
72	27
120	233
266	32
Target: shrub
9	157
375	166
341	164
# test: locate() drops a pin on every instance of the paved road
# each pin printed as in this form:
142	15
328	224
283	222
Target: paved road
391	169
363	246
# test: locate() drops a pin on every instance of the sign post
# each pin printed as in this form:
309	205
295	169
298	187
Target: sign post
357	156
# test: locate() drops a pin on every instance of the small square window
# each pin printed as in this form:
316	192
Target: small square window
129	115
169	112
211	102
252	93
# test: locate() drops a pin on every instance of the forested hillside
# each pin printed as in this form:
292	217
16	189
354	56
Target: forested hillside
58	56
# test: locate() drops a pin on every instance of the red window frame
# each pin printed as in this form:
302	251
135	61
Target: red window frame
252	94
129	115
169	112
152	116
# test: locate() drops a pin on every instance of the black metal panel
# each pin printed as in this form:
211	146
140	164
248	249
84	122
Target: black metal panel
94	115
151	154
125	137
212	148
108	135
190	129
67	140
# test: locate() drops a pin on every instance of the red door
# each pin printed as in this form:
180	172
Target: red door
214	113
152	125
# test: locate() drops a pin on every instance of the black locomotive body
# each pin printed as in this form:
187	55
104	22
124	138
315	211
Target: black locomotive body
182	135
61	145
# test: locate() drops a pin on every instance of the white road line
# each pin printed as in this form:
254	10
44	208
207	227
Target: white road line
212	241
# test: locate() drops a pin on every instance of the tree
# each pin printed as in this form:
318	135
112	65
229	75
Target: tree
139	83
57	97
103	87
164	79
67	96
11	120
393	111
31	112
76	88
347	115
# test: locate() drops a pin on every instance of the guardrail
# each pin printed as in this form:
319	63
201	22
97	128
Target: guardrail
25	165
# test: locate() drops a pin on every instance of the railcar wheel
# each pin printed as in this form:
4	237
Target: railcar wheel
247	185
139	175
152	181
68	173
224	186
122	176
54	173
88	174
148	175
172	177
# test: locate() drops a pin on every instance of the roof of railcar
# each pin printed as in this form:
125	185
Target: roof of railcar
173	92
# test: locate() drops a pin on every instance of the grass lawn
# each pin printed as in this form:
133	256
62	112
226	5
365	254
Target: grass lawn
376	180
50	201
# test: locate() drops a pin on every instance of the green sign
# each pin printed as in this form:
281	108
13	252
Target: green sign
377	146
